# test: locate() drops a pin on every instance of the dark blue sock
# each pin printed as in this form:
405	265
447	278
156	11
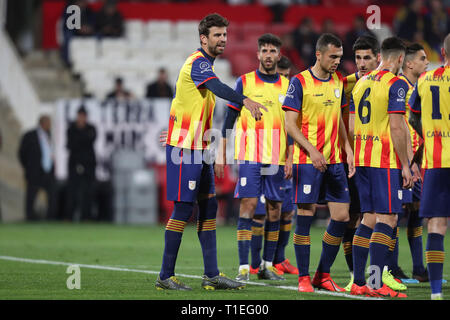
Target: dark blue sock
302	244
435	260
415	231
331	242
256	243
271	232
347	245
283	240
361	241
206	231
379	249
172	238
244	236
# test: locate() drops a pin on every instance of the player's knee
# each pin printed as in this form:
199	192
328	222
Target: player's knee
287	215
248	207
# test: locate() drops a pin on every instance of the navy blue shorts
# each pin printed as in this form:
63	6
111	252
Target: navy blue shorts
435	201
287	205
188	174
380	190
256	179
355	207
310	184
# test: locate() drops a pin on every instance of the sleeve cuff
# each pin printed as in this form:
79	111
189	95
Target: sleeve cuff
290	109
233	107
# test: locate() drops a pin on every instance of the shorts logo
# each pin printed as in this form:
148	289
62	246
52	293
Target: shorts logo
337	93
262	199
400	194
243	181
192	185
306	188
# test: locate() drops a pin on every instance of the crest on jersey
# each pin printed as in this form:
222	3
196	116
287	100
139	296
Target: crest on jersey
192	185
400	194
337	93
243	181
306	188
401	93
281	97
204	66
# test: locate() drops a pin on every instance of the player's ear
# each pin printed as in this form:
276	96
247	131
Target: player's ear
203	39
443	53
378	57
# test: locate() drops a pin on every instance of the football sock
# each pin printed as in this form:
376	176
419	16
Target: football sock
283	240
256	243
361	242
435	260
206	231
393	251
271	232
380	241
347	241
302	243
331	242
415	231
172	238
244	236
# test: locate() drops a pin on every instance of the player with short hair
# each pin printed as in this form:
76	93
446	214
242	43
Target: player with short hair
260	148
430	106
281	263
414	65
367	58
377	108
190	175
313	119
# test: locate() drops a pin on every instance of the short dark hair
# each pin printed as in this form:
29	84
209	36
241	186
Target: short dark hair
392	45
211	20
284	63
413	49
82	110
325	39
367	43
269	38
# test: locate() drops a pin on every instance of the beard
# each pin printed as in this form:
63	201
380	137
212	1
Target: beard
215	49
270	69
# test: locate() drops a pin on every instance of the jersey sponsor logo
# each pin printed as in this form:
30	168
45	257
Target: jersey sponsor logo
365	137
290	91
205	67
192	184
243	181
442	134
306	188
401	93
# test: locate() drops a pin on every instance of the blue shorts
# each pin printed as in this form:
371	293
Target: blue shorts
435	201
188	174
287	205
413	194
380	190
310	184
256	179
355	207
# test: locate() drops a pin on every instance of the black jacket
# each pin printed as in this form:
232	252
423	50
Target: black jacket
30	157
80	143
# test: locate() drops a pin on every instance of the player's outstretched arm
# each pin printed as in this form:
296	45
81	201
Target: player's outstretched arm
292	129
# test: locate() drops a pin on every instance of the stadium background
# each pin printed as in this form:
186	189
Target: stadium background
37	77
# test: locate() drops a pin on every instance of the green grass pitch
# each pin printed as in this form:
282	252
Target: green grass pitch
122	263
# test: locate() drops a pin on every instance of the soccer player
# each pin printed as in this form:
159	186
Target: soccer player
377	110
190	175
415	64
313	119
280	262
260	148
367	58
430	106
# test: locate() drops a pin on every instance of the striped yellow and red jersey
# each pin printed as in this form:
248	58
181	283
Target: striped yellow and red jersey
262	141
375	96
192	107
415	138
349	84
431	98
319	103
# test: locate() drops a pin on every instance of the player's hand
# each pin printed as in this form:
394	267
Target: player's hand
350	163
318	160
407	177
219	170
416	172
163	138
288	169
254	108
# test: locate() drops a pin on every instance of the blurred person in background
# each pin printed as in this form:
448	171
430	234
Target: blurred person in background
109	21
119	92
160	88
437	24
81	137
305	39
409	20
36	158
289	52
359	29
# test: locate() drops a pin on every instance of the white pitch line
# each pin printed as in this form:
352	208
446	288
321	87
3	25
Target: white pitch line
109	268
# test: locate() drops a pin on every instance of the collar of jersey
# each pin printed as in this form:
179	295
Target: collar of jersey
269	78
312	74
401	74
207	56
